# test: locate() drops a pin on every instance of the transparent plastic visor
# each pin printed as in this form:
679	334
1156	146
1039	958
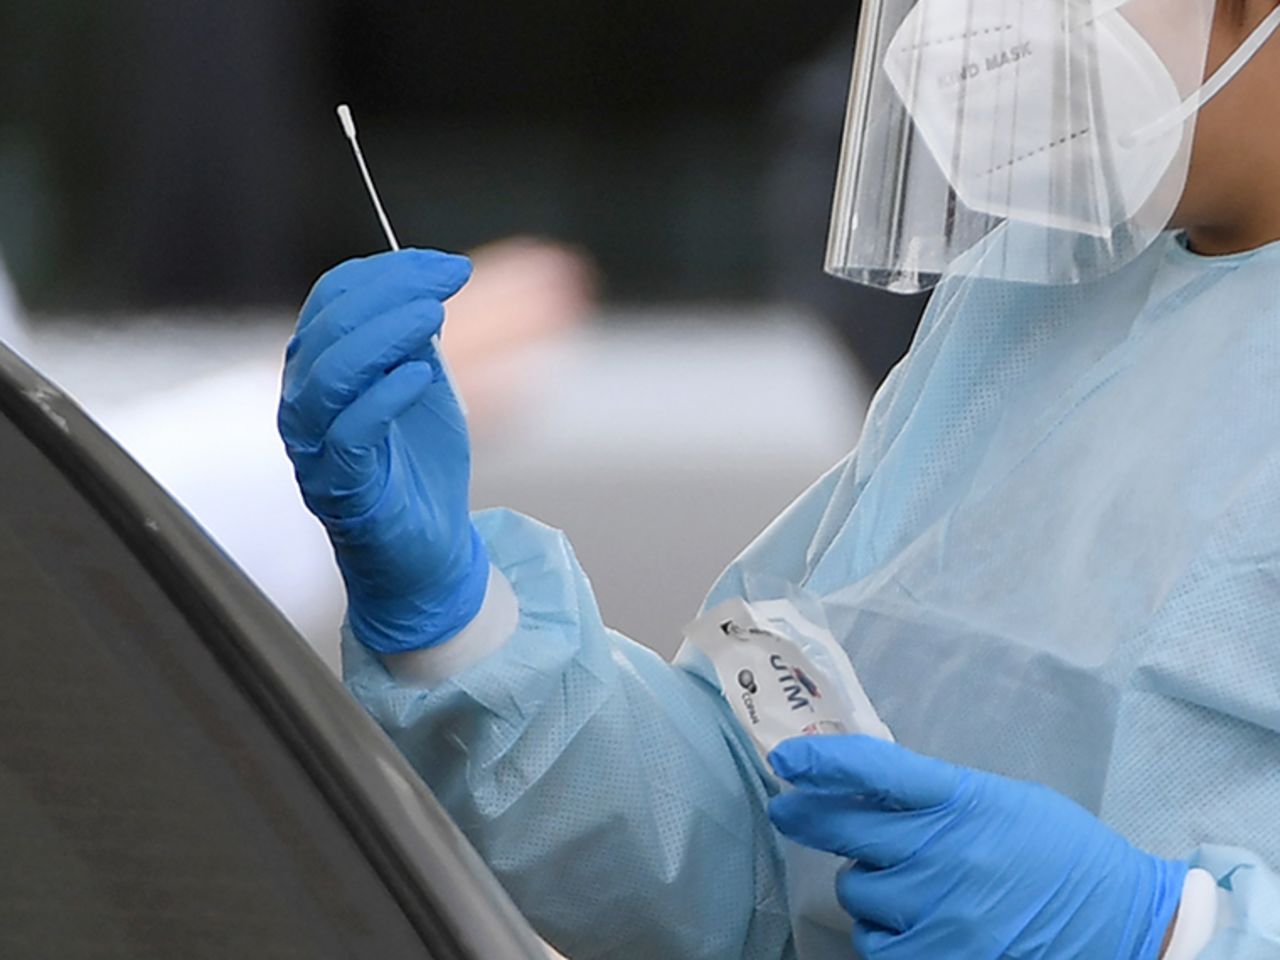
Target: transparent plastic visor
1045	141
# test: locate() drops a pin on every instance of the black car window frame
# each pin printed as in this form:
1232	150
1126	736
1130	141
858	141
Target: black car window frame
439	882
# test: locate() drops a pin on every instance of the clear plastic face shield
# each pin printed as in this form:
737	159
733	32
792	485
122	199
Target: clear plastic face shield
1045	141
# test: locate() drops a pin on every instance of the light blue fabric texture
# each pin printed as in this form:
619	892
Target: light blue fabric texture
1054	556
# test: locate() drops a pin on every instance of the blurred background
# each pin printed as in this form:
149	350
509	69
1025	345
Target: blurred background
654	360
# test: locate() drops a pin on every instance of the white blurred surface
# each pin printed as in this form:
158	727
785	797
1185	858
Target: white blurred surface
194	402
12	329
664	444
661	443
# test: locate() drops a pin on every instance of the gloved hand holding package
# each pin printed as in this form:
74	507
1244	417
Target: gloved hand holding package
949	861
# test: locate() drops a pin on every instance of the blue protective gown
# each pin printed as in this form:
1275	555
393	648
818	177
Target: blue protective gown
1055	555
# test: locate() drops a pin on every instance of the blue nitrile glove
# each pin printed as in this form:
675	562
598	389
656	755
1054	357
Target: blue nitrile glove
380	447
953	862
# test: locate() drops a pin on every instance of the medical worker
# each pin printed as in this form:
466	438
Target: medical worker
1054	559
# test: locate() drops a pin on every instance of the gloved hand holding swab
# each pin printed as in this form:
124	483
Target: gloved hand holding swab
349	128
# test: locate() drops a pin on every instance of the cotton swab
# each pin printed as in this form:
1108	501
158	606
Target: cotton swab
349	128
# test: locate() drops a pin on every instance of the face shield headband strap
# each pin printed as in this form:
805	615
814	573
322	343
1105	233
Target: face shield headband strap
1213	86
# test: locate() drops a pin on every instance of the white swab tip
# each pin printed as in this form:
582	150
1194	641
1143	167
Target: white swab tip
348	121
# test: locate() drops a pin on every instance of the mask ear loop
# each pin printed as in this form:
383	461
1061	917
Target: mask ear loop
1212	87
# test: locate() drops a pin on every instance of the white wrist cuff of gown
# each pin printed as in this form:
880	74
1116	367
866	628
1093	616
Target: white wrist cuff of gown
484	636
1199	917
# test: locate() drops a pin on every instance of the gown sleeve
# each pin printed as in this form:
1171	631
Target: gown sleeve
1248	914
613	794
